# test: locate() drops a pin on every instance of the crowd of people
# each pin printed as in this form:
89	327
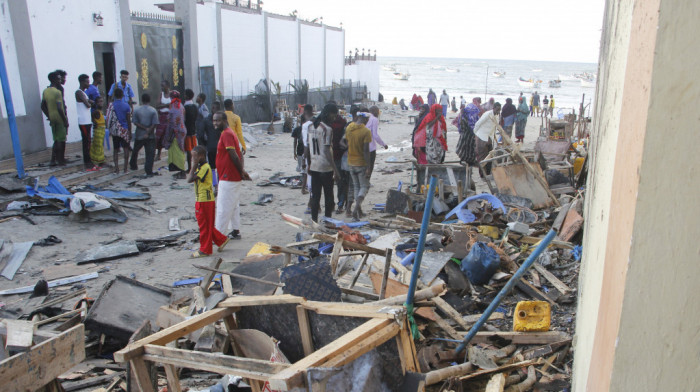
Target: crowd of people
205	147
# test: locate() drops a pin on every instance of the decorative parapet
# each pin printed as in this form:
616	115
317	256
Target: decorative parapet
351	58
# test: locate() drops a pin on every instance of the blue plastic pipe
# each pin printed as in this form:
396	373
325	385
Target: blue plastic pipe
421	240
11	116
506	289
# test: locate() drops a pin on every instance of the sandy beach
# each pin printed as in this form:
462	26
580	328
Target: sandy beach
175	198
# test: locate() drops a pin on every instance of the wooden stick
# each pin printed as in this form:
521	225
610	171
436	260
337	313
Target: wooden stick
350	244
245	277
385	276
210	276
435	376
359	270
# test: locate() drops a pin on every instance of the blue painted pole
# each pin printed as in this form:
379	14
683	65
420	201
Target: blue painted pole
506	289
11	116
421	241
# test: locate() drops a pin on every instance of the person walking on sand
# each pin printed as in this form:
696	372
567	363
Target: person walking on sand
191	112
83	104
205	206
521	120
212	138
320	161
234	122
359	138
545	106
97	149
373	125
118	120
163	109
145	120
432	98
444	102
53	107
508	117
536	104
551	106
229	165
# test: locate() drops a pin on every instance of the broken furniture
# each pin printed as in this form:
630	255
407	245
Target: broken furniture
383	324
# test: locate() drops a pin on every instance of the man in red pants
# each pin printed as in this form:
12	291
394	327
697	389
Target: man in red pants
205	207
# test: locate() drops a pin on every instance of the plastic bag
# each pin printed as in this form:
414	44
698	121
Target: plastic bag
481	263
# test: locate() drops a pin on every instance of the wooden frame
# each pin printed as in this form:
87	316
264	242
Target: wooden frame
383	324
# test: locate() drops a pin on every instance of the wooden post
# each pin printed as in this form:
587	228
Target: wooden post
305	330
385	277
142	375
173	379
337	248
441	188
460	189
359	270
210	276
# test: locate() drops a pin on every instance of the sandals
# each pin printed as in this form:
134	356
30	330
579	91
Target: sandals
198	254
48	241
222	246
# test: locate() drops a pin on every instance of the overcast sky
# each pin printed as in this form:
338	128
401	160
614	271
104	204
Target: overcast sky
550	30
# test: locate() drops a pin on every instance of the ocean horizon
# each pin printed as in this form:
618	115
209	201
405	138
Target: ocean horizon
474	77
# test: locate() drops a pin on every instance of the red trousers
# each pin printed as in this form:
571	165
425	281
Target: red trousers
205	213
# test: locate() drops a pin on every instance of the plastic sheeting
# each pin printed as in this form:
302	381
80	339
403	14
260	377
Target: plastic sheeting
466	216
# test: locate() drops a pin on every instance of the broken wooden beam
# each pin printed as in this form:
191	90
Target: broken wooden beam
239	276
349	244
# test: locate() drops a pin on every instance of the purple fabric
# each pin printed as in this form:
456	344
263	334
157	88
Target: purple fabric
472	113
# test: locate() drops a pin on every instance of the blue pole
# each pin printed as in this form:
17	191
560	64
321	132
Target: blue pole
11	116
506	289
421	241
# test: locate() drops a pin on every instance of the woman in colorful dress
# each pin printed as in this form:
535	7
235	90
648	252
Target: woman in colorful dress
430	141
174	139
97	149
163	109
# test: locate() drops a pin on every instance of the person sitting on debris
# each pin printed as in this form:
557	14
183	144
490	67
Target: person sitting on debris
321	166
229	164
359	137
202	176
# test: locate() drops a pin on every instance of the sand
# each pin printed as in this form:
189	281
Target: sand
260	223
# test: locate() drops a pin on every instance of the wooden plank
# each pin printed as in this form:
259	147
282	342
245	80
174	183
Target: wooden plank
385	274
407	348
558	284
305	330
239	276
60	316
496	383
521	337
258	300
173	379
303	243
358	293
395	288
69	386
255	369
169	334
376	339
142	374
353	310
53	283
516	180
293	375
505	368
350	244
20	334
210	276
44	362
226	284
359	270
451	312
533	291
445	326
435	376
335	255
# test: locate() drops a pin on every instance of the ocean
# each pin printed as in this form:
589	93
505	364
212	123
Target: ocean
474	77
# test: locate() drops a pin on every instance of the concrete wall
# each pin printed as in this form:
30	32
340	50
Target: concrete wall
312	56
58	44
366	72
646	323
283	49
207	35
335	55
242	51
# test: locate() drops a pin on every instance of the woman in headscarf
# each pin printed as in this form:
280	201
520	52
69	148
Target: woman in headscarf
414	102
466	146
473	111
508	117
174	139
430	141
162	116
488	105
421	115
432	98
521	120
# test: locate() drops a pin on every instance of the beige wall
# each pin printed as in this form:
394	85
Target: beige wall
644	334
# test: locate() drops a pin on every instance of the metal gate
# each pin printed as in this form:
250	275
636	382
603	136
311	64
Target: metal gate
158	44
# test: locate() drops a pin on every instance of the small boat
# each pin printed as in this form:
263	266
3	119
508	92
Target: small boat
498	74
588	83
585	75
528	83
436	67
537	70
401	76
555	83
388	68
448	69
566	77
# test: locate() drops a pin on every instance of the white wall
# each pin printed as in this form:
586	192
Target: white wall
207	39
312	55
282	50
148	6
243	51
63	33
10	54
365	72
335	56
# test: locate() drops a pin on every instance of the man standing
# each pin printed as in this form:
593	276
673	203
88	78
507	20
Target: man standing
93	90
545	106
338	126
359	137
202	116
373	125
229	164
444	102
321	166
191	113
308	118
145	119
125	87
551	105
485	132
536	104
119	124
53	107
83	104
234	122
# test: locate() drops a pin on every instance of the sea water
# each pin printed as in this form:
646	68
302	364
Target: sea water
474	77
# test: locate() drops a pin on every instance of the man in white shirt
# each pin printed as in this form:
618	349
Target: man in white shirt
306	179
444	102
485	132
462	102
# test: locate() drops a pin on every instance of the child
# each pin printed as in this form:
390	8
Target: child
201	174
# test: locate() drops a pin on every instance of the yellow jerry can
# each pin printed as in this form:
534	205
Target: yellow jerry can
532	316
489	231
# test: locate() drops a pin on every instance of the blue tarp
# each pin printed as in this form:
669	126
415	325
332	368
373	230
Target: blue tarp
54	190
467	216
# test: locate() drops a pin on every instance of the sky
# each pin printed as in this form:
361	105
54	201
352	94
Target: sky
543	30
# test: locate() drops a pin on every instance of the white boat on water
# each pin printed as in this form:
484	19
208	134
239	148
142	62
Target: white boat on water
588	83
401	75
537	70
498	74
565	78
555	83
389	68
448	69
529	83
